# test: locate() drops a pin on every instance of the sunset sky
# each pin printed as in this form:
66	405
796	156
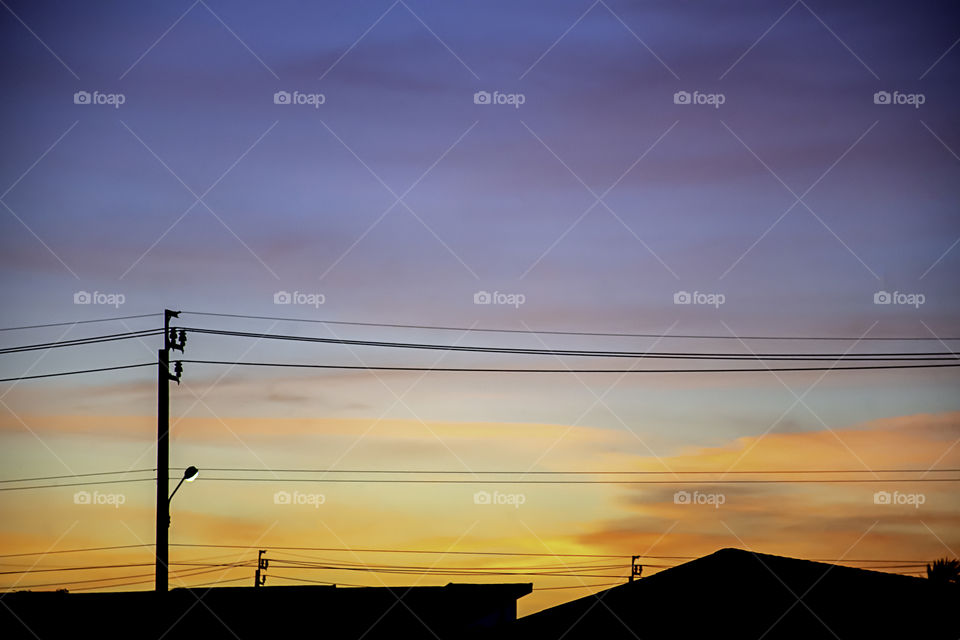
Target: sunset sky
795	192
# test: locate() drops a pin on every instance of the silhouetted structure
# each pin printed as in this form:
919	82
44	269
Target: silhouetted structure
739	594
453	611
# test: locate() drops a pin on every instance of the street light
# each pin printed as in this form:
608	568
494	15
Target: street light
189	475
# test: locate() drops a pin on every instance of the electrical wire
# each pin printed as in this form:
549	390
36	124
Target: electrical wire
76	322
592	473
945	355
493	553
550	482
75	475
113	337
564	333
81	371
77	484
491	370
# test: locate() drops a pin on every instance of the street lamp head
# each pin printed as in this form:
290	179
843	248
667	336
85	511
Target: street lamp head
191	474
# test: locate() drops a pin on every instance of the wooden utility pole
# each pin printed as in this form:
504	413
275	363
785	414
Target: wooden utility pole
170	341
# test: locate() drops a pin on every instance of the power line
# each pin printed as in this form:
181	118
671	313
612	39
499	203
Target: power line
495	370
580	586
336	584
592	473
356	550
484	481
946	355
565	333
550	482
75	322
494	553
83	550
74	475
78	372
113	337
179	575
77	484
606	472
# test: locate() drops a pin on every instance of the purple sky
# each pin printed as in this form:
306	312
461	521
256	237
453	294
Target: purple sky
598	198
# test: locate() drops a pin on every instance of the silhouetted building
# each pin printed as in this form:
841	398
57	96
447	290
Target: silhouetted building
452	611
739	594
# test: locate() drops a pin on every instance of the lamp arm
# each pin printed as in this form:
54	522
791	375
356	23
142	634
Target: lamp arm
174	491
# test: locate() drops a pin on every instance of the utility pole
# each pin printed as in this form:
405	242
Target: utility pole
262	564
635	569
170	341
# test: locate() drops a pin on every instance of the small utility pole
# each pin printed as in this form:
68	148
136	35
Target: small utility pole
170	341
262	564
635	569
